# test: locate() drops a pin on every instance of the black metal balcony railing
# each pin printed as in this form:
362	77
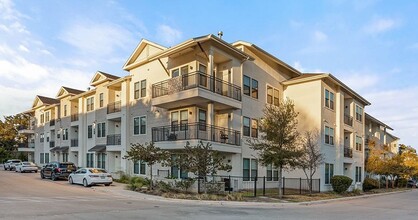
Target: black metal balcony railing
348	120
194	80
74	117
74	142
52	122
23	145
196	131
52	144
113	139
348	152
113	107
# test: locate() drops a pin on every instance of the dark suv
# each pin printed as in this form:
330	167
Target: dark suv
57	170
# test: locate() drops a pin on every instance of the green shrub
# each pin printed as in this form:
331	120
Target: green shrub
135	183
340	184
401	182
124	178
185	184
356	192
370	184
164	187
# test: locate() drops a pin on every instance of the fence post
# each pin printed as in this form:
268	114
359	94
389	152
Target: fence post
255	186
264	185
300	186
198	185
230	184
319	185
283	185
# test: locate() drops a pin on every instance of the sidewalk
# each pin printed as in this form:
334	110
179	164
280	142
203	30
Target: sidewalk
118	189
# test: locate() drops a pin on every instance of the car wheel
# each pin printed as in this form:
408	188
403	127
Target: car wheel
42	176
85	184
53	177
36	171
70	180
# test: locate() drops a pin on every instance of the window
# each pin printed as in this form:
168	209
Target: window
329	135
329	172
64	157
250	169
101	129
359	113
358	174
359	143
89	131
177	172
140	125
202	120
65	134
143	88
329	99
254	128
254	88
42	118
269	95
42	158
175	73
247	85
203	81
273	96
89	161
136	90
272	174
246	126
41	137
65	110
90	104
46	157
139	167
101	100
46	116
101	160
183	120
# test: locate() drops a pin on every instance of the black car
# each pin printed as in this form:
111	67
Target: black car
57	170
412	183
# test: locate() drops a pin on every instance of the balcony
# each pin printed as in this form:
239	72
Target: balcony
113	139
348	120
113	107
25	147
52	144
74	117
220	137
23	129
74	143
196	88
348	152
52	122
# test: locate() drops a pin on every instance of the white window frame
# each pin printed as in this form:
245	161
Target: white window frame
100	127
331	97
361	114
139	125
333	135
327	179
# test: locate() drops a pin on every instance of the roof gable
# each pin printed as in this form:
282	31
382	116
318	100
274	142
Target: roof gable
65	91
101	77
144	49
42	100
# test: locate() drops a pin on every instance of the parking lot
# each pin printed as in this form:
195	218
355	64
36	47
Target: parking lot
27	196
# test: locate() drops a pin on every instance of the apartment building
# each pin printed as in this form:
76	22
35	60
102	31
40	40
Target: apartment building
202	89
377	134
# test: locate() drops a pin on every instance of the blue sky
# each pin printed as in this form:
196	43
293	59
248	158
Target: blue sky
370	45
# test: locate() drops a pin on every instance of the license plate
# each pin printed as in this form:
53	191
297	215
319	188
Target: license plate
102	177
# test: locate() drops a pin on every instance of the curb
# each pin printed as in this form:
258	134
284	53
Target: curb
143	196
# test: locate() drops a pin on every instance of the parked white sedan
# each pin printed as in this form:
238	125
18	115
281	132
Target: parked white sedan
26	167
90	176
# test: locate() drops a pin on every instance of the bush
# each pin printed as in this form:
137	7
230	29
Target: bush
164	187
370	184
185	184
356	192
340	184
401	182
124	178
136	183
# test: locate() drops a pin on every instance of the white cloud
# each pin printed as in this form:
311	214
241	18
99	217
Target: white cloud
380	25
23	48
298	66
359	80
319	36
168	34
99	39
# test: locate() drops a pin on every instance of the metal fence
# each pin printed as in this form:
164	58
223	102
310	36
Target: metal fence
256	186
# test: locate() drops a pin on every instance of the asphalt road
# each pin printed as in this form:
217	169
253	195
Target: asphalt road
26	196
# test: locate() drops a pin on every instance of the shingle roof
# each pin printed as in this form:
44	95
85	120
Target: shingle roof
47	100
109	75
73	91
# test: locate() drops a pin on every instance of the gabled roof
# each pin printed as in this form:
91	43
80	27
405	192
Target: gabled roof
306	77
141	46
393	136
190	43
44	101
100	77
266	54
65	91
371	118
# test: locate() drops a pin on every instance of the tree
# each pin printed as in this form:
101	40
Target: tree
278	144
9	136
201	160
312	157
147	153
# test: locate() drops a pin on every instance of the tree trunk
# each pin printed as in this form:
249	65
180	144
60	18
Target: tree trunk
280	182
310	183
151	184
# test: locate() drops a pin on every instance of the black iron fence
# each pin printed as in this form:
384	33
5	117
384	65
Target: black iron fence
114	107
348	120
196	131
257	186
113	139
74	117
194	80
52	122
348	152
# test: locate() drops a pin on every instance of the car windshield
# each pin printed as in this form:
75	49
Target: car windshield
16	161
67	165
97	171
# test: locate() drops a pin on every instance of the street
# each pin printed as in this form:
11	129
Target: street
27	196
